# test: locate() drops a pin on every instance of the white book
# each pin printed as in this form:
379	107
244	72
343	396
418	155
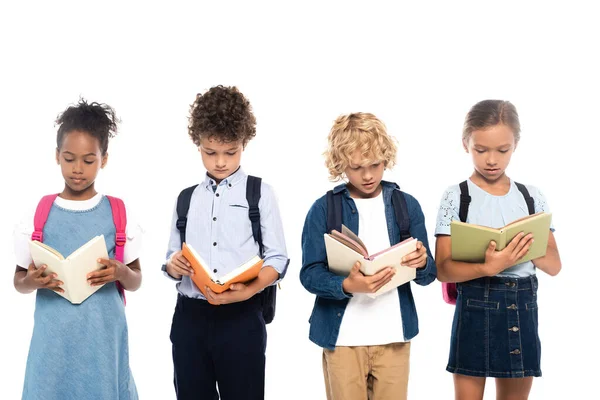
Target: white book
72	270
345	249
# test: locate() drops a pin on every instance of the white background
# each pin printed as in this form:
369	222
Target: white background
418	67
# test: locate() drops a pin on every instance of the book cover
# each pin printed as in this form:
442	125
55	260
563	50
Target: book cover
73	269
343	250
470	242
204	275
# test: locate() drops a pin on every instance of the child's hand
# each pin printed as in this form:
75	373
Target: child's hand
34	279
178	265
417	258
357	282
236	293
498	261
113	271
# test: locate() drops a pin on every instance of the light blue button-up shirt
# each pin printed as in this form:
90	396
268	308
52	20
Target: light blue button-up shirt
218	227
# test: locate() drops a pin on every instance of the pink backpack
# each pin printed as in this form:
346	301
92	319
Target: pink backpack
449	292
119	219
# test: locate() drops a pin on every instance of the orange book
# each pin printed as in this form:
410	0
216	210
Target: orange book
204	276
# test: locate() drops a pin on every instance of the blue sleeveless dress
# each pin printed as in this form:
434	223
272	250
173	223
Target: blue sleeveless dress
80	351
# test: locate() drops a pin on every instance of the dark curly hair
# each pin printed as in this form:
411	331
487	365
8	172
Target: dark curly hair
96	119
222	113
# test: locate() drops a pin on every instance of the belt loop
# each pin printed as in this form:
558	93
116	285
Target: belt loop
486	291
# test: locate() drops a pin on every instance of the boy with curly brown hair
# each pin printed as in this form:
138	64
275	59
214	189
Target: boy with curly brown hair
220	339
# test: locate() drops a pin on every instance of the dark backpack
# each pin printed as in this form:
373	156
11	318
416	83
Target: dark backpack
269	294
449	289
334	212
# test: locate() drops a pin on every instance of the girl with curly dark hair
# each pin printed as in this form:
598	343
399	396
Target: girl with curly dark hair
79	349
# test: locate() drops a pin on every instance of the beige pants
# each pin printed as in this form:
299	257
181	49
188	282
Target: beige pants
367	372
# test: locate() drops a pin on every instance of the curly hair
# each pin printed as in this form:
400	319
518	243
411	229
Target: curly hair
488	113
354	131
96	119
222	113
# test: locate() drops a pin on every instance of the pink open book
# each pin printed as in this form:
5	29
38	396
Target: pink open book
345	248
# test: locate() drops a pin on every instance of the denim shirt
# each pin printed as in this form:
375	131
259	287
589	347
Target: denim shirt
331	300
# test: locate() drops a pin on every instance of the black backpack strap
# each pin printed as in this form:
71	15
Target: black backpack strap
528	198
465	200
183	205
401	212
334	211
253	197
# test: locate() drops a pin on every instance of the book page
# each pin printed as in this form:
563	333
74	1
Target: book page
470	242
44	255
346	231
201	263
348	242
238	271
340	258
80	263
539	227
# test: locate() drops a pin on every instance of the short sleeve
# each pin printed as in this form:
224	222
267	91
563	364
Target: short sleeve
539	201
133	245
448	211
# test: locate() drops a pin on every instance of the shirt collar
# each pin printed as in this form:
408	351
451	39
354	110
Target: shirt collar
230	181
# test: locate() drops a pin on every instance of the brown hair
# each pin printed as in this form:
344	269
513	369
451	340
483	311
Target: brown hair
488	113
222	113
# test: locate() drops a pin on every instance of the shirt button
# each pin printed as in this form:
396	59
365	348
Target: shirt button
353	211
215	270
339	314
217	195
215	243
517	351
514	329
214	218
229	185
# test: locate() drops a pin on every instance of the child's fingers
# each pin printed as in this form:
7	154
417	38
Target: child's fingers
182	260
57	289
101	273
36	272
524	250
417	262
53	284
44	280
181	269
382	276
523	242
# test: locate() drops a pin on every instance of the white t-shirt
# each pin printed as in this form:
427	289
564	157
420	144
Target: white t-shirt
23	231
368	321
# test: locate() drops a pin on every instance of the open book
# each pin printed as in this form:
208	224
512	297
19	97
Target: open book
205	276
345	248
72	270
470	242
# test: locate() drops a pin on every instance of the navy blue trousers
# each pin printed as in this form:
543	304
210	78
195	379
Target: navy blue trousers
220	346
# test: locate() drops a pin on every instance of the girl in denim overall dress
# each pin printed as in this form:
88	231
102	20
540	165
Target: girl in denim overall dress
79	351
495	327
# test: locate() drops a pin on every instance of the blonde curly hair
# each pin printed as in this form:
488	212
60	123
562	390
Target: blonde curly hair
363	131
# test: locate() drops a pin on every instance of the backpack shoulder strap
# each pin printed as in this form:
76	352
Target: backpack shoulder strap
119	215
528	198
334	211
183	205
465	201
120	220
401	213
41	216
253	197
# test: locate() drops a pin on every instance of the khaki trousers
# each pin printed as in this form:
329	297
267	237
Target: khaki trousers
367	372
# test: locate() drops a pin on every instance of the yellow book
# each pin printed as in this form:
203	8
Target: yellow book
72	270
470	242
